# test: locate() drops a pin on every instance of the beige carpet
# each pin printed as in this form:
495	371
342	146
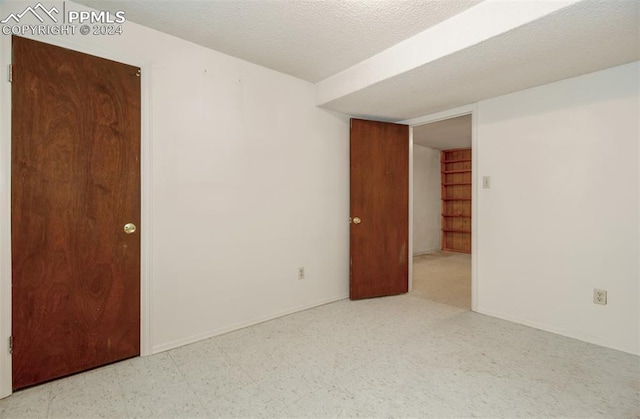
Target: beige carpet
444	277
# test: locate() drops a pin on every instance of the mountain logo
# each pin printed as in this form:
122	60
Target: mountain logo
38	10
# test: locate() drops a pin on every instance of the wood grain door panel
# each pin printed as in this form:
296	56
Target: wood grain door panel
75	183
380	199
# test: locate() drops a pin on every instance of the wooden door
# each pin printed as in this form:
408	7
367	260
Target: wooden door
75	184
379	209
455	168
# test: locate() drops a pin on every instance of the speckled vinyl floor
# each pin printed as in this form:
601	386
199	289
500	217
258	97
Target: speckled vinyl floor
402	356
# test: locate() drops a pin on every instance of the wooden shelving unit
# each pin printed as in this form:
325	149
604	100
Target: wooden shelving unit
455	168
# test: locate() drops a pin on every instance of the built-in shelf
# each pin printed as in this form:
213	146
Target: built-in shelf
455	230
446	172
456	161
455	168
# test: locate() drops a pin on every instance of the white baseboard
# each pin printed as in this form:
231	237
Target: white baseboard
426	252
562	332
216	332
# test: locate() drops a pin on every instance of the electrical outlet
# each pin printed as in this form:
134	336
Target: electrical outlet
599	296
301	272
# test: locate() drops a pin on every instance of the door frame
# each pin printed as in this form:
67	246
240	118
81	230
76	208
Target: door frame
6	386
435	117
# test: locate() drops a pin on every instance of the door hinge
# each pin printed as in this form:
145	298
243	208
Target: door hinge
10	73
10	344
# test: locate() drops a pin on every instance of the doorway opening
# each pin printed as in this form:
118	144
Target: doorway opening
442	211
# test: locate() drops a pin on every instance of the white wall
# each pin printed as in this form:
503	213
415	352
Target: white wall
248	183
427	204
562	215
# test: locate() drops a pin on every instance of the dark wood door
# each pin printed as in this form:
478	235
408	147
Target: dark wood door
75	184
379	209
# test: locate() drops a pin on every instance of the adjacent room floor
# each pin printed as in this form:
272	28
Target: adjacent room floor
444	277
401	356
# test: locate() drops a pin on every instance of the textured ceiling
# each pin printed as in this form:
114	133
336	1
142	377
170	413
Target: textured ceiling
446	134
589	36
308	39
317	39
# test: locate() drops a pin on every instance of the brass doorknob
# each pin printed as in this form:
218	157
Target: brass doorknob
356	220
129	228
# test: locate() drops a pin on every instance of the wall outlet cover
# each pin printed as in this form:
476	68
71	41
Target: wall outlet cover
600	296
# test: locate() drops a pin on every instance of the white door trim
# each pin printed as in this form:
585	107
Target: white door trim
5	196
439	116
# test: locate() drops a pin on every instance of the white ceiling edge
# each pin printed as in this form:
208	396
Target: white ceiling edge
484	21
591	35
444	134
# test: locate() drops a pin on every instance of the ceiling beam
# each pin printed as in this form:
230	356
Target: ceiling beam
487	20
